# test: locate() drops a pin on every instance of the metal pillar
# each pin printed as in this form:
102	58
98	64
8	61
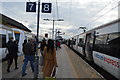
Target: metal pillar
36	67
53	30
56	34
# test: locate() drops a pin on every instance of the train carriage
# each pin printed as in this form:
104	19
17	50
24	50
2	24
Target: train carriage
75	42
17	34
102	46
5	34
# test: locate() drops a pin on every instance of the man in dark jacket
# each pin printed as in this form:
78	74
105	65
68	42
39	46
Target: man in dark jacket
29	56
12	53
15	55
69	43
23	49
43	44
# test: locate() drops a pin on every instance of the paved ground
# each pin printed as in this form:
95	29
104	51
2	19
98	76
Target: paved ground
70	65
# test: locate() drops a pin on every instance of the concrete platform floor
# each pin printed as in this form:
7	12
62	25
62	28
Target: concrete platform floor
70	65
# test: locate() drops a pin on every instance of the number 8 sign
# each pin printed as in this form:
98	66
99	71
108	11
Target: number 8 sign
46	7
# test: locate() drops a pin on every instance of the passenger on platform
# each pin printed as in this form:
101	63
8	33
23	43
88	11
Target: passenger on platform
58	44
43	44
23	49
12	53
29	56
72	42
15	55
49	59
35	44
69	43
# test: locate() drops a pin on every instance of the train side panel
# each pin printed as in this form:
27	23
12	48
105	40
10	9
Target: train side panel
5	34
107	48
81	44
102	46
110	64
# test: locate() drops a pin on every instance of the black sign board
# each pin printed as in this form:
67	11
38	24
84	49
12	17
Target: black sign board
46	7
31	7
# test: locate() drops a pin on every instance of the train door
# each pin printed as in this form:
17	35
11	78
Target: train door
77	42
81	44
5	34
2	43
19	36
74	42
89	43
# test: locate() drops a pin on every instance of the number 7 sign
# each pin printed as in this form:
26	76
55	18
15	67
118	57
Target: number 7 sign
46	7
31	7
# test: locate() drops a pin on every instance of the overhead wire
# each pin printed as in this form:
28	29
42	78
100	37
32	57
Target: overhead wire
70	4
103	14
52	8
100	10
57	9
96	13
70	13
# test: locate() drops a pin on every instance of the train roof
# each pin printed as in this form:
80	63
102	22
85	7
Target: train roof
13	22
99	27
104	25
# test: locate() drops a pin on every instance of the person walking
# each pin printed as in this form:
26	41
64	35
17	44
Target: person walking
15	51
58	43
10	47
35	44
23	49
49	59
29	56
69	43
43	44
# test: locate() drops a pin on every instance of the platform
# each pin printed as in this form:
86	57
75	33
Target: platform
70	65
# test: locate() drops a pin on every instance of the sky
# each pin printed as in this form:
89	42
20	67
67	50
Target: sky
75	13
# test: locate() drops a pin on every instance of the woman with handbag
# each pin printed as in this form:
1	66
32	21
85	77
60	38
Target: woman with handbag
49	59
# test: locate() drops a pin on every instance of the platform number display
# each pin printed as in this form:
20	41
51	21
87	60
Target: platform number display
46	7
31	7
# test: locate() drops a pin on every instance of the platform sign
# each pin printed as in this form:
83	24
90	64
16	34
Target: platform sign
46	7
31	7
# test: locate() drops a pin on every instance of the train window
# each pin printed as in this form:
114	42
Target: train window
25	37
81	43
80	40
112	38
17	36
101	39
108	44
74	42
2	40
10	35
91	39
114	44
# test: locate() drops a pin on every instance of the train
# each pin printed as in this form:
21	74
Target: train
100	45
18	34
